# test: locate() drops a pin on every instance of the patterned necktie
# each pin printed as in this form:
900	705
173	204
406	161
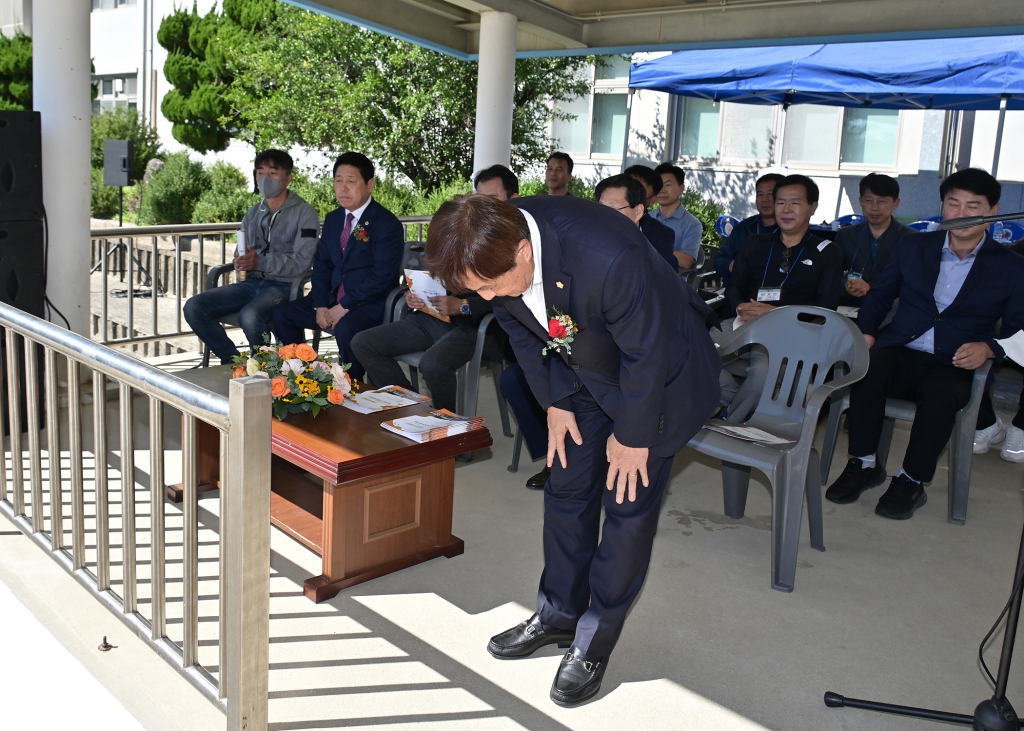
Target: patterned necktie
346	234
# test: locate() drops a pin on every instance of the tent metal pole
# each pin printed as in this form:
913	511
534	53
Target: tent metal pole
999	137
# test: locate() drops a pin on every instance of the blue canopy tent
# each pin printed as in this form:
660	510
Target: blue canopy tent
959	74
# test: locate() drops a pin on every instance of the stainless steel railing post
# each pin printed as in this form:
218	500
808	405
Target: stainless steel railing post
247	505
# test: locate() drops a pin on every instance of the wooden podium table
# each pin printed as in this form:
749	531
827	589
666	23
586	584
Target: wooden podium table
368	501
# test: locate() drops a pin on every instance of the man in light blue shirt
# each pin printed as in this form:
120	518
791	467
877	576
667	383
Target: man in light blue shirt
953	288
670	211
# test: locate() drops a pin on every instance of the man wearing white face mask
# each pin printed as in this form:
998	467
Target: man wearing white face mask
281	233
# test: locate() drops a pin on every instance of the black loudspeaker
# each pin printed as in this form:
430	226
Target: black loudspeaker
21	265
21	167
118	156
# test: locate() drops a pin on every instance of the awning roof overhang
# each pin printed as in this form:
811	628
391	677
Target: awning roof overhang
573	27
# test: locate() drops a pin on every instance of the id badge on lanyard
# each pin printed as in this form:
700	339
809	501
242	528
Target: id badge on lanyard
769	294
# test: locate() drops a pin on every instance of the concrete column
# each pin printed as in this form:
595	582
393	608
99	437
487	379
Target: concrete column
60	89
495	88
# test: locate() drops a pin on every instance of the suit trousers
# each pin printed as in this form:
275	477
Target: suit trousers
531	418
292	319
939	390
447	347
589	585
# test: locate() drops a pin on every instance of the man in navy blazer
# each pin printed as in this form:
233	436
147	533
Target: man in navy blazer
630	379
953	288
357	263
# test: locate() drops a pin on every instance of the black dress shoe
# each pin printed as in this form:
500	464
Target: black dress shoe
903	497
578	678
540	479
854	480
527	637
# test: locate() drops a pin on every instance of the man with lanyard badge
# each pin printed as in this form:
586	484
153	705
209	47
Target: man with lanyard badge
789	267
866	246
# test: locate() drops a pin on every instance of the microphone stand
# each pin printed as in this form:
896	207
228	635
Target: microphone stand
994	714
968	221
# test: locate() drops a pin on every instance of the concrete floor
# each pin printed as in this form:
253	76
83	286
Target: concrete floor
892	611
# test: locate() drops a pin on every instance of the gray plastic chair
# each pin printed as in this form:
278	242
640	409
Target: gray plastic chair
213	280
468	376
804	345
961	443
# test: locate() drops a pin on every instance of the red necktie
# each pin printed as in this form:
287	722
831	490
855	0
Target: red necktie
345	236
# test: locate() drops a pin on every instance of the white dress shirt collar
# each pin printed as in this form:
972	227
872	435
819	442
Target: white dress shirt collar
533	297
358	213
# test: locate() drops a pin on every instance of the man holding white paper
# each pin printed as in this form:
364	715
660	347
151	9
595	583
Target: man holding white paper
280	235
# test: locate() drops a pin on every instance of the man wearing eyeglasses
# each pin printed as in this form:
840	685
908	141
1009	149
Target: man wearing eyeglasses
789	267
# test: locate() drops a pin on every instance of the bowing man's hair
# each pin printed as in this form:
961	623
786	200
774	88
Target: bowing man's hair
474	234
357	160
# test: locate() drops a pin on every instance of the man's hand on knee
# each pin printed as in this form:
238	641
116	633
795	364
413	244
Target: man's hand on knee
561	422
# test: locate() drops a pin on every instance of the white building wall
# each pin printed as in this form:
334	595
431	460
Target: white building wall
15	16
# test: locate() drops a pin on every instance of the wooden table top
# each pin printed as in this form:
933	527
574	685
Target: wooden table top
340	444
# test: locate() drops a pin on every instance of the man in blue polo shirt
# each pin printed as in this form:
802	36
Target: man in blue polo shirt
688	230
762	222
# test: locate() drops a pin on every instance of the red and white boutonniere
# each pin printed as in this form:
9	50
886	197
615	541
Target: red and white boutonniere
360	232
561	330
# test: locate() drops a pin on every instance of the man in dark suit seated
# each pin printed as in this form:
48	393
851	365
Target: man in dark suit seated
622	193
790	267
866	246
357	263
636	383
447	345
953	288
762	222
652	184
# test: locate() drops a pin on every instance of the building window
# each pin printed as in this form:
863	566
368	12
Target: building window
746	133
870	137
572	135
609	124
616	67
111	4
812	136
115	91
700	129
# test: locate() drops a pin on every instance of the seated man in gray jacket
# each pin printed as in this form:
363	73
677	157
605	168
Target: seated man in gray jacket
281	233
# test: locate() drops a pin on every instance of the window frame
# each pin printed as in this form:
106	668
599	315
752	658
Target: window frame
597	86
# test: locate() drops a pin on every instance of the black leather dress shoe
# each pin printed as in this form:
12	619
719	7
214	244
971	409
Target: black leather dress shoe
903	497
578	678
526	638
540	479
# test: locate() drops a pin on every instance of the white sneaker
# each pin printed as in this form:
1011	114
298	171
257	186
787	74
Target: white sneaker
985	438
1013	447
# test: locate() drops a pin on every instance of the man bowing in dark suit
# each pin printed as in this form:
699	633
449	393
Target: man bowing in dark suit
615	348
356	264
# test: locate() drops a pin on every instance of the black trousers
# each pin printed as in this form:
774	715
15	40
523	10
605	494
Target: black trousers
939	390
592	574
532	420
292	319
987	415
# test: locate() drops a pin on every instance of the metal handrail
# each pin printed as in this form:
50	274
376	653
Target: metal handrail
243	420
168	273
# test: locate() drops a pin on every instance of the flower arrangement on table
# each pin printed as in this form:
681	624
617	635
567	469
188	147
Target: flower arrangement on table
301	380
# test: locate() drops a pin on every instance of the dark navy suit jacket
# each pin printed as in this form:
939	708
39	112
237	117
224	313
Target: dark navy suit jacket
662	238
370	269
642	350
993	290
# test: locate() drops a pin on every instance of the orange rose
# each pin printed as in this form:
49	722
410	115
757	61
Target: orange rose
280	387
335	396
305	352
286	351
239	372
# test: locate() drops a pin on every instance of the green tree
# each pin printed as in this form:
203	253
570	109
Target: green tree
276	75
173	192
16	72
125	124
